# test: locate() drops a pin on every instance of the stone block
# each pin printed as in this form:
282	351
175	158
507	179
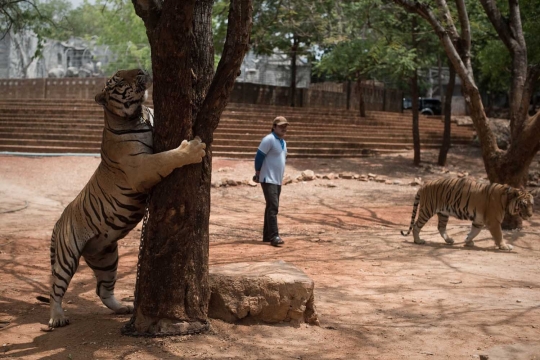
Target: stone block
271	292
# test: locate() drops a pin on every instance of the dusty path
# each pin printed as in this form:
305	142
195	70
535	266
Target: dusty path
378	295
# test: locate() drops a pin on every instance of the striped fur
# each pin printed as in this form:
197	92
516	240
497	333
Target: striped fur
484	205
113	201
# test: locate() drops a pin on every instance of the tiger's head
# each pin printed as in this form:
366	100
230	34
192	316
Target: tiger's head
125	92
520	202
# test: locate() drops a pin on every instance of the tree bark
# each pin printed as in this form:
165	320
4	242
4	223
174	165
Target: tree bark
172	291
506	167
446	144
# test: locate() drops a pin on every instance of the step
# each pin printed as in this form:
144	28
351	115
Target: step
253	139
71	126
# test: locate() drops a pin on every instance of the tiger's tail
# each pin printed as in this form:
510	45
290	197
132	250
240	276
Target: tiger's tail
53	257
415	208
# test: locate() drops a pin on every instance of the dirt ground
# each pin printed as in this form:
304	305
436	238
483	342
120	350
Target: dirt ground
378	295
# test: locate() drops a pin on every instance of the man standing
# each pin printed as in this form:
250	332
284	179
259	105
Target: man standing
269	169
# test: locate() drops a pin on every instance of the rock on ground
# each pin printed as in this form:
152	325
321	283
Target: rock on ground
266	291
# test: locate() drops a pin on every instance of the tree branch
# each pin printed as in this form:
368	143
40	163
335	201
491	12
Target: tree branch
450	26
494	15
510	32
149	11
465	28
236	45
515	24
462	66
528	139
533	74
424	11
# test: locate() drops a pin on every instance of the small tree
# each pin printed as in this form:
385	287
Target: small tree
445	147
292	27
352	60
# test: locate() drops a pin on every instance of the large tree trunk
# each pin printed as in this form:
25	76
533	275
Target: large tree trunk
511	166
447	116
172	291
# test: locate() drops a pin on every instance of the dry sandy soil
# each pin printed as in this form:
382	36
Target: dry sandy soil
378	295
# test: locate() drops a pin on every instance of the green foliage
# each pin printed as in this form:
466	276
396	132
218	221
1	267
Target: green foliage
122	30
109	22
349	59
289	25
493	66
373	39
492	61
530	13
220	12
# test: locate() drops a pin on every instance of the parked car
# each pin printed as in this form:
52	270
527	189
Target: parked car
426	106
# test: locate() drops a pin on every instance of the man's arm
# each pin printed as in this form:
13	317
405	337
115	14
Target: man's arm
259	159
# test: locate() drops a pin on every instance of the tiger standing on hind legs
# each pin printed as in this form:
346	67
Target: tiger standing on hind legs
113	201
483	204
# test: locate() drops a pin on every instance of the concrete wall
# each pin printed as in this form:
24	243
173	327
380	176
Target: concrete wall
375	98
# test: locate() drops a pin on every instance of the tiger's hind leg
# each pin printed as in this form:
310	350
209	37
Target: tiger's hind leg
63	268
423	218
443	221
104	265
475	230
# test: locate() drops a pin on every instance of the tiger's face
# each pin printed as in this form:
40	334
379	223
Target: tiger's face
522	204
125	92
526	206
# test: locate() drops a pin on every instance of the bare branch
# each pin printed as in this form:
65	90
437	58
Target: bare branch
236	45
465	27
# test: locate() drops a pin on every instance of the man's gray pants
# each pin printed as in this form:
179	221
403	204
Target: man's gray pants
271	196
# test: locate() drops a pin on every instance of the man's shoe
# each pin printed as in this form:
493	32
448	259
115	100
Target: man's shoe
267	240
277	241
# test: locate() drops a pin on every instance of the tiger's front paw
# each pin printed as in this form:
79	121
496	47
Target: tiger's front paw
419	241
449	241
58	321
193	150
469	243
506	247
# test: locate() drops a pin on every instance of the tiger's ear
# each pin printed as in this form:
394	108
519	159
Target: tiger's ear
101	98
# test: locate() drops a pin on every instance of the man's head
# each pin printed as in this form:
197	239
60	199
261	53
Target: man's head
279	126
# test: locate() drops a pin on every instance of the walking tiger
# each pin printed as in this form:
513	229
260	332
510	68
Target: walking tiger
483	204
